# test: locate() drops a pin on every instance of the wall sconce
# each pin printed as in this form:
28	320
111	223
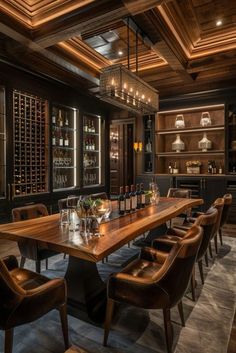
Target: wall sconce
138	146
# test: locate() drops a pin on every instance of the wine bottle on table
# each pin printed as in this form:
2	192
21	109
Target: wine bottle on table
121	200
127	200
139	204
133	198
143	197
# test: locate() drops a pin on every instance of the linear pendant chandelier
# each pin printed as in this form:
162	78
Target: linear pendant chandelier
122	88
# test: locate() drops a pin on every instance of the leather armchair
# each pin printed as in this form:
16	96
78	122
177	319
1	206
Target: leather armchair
207	221
228	199
30	249
26	296
156	282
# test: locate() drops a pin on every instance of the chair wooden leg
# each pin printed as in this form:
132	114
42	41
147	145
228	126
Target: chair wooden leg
168	330
210	250
109	313
64	324
38	266
193	284
181	313
206	260
220	235
216	245
46	264
64	256
201	270
22	261
8	340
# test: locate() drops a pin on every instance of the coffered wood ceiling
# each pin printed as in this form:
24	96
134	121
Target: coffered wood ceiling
178	45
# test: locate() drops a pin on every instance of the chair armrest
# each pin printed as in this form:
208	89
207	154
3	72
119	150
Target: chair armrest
151	254
177	231
10	262
47	287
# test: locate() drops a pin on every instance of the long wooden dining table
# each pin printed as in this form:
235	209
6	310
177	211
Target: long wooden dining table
86	290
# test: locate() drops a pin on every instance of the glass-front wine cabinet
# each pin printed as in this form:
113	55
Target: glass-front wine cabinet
92	174
30	144
64	147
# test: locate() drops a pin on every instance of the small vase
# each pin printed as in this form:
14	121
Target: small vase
178	144
179	121
205	119
204	144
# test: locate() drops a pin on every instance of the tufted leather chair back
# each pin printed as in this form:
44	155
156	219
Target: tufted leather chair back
178	192
29	212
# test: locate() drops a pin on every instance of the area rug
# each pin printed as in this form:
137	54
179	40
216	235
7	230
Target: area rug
208	320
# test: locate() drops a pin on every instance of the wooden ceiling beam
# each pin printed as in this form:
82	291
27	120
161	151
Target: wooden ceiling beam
26	46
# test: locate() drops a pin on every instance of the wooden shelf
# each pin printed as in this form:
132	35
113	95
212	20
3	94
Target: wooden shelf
191	130
187	153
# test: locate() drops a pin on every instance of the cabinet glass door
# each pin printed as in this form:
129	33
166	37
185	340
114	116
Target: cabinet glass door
92	174
2	145
64	152
148	143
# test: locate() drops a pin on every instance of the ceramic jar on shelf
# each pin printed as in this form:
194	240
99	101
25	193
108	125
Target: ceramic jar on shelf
204	144
178	145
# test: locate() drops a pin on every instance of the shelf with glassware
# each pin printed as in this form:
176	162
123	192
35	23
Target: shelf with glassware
30	144
91	150
2	144
191	141
148	162
64	152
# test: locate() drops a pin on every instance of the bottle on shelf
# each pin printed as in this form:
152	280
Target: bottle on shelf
220	169
127	200
148	146
66	120
92	128
54	118
143	197
149	123
170	168
61	140
66	140
133	198
149	166
121	201
86	126
60	119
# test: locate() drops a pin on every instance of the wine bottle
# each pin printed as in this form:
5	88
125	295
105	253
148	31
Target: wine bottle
66	140
53	118
133	198
66	120
61	139
53	138
121	201
60	120
86	126
127	199
143	198
139	204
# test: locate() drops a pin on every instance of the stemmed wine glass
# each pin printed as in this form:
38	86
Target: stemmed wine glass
100	208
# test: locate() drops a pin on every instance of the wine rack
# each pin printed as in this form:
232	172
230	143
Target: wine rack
91	150
30	114
63	139
2	144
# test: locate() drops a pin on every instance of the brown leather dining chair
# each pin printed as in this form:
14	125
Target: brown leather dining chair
207	221
25	296
180	193
30	249
155	281
228	199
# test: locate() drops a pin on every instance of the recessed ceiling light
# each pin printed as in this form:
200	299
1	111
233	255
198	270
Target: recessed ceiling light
120	52
219	22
